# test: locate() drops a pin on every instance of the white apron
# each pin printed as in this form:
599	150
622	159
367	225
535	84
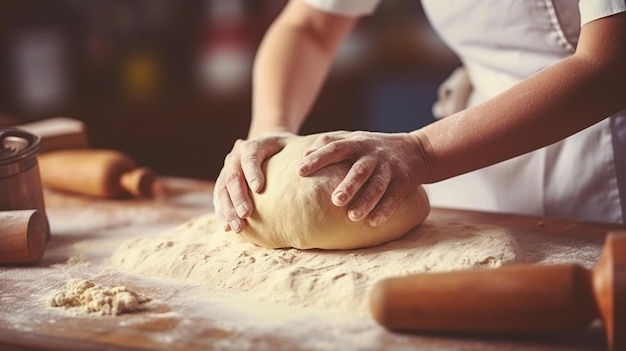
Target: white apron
502	42
579	177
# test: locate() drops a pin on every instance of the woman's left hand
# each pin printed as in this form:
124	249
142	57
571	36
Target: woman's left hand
386	167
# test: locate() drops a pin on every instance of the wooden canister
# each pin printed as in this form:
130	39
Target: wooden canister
20	180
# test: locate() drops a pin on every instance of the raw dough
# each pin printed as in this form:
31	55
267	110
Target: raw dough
82	296
199	251
295	211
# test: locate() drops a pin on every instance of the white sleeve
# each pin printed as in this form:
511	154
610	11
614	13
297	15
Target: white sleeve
352	8
594	9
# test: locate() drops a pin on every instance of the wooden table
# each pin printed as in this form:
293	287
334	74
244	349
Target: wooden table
93	228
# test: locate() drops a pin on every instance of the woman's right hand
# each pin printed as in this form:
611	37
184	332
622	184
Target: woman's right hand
240	174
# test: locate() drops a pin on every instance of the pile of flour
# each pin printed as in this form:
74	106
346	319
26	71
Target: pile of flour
199	251
80	296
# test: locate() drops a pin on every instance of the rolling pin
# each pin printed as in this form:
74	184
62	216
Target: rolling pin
99	173
511	299
22	236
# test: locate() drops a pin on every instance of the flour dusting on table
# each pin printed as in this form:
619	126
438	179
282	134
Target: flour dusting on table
200	252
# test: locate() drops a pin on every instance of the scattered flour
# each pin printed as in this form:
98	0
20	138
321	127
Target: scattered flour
199	251
78	260
81	296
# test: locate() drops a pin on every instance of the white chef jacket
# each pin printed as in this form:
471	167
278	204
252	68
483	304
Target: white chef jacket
500	43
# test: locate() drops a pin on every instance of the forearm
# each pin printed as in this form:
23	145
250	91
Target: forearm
291	65
288	73
549	106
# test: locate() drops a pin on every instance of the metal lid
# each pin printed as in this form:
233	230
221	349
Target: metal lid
18	150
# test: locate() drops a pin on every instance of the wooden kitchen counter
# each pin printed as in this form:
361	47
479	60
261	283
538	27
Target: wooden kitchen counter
85	232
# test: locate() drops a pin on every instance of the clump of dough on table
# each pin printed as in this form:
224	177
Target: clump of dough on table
80	296
295	211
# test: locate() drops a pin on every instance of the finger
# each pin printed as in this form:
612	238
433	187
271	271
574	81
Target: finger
227	214
357	176
328	154
221	199
251	167
319	142
386	206
253	157
371	193
238	194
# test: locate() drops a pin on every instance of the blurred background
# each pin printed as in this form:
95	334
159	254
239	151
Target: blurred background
168	81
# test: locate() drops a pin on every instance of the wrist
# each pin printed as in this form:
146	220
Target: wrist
425	154
256	131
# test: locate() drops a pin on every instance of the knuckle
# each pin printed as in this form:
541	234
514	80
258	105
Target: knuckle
230	214
333	148
367	200
384	170
219	182
361	169
222	194
230	157
385	209
383	212
232	177
324	139
349	187
360	134
250	159
238	142
379	182
391	201
389	204
253	144
238	197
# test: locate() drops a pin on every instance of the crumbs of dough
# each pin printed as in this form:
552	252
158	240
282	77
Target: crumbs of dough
80	296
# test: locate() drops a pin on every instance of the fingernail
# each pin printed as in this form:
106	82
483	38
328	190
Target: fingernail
340	197
255	185
355	215
303	169
242	210
235	226
375	221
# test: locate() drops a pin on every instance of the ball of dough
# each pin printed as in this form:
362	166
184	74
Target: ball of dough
295	211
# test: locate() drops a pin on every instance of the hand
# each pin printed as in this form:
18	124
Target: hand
386	167
242	173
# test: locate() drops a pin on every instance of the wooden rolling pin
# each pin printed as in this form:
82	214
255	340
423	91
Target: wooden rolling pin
22	236
511	299
100	173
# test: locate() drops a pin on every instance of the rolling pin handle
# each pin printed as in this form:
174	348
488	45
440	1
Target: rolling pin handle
609	282
22	236
139	182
